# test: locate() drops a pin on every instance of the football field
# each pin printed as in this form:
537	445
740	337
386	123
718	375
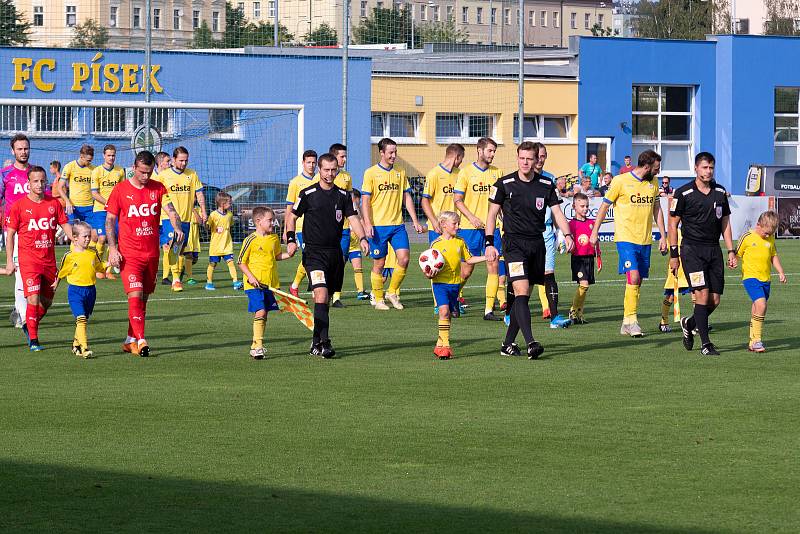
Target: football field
603	434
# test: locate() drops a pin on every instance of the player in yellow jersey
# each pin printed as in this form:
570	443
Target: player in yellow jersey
163	162
634	196
77	178
471	196
354	255
447	281
297	184
258	260
80	267
104	178
184	188
383	193
220	246
437	193
759	256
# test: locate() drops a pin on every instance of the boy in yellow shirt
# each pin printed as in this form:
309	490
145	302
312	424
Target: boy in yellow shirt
759	255
258	260
80	267
447	281
221	243
191	252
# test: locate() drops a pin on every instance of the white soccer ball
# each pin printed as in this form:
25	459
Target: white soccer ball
431	262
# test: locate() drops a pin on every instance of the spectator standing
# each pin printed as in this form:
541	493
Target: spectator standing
592	170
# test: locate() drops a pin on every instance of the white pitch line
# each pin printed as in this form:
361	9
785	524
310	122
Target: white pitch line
405	290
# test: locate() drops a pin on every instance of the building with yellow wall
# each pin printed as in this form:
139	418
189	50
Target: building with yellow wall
427	101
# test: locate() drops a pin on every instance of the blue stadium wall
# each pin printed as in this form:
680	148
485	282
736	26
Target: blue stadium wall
734	77
266	149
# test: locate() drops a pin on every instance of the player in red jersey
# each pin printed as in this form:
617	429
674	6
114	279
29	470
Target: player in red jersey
33	220
136	203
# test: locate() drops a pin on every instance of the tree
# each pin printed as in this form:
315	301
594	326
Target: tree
442	32
323	35
781	17
89	34
385	26
240	33
14	29
599	31
681	19
203	38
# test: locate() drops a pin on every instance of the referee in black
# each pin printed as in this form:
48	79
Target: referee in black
523	196
701	209
324	208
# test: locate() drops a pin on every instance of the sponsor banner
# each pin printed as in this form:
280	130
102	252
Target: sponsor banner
788	217
745	211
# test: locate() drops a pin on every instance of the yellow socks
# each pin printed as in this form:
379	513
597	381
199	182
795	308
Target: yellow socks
398	275
631	304
259	325
377	284
299	275
543	298
232	270
176	268
165	270
81	338
358	276
756	326
501	294
188	263
444	333
492	283
579	299
210	273
101	250
665	306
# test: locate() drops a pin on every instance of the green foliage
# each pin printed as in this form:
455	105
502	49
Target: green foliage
239	32
385	26
14	29
681	19
781	17
442	32
89	34
323	35
599	31
203	38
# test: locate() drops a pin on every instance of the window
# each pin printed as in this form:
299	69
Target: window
600	19
363	9
215	21
663	120
786	125
556	21
479	15
587	19
450	14
465	15
436	13
493	16
38	15
137	17
423	12
113	14
380	4
224	124
59	121
160	118
111	121
402	127
240	7
271	9
462	127
156	18
72	15
176	19
543	18
531	18
507	17
195	19
573	21
543	128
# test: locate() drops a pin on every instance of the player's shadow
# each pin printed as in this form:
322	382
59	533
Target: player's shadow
48	497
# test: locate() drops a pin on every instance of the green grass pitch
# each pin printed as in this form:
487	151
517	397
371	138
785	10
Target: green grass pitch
604	434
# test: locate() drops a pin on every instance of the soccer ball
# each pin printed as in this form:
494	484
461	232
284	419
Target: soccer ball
431	262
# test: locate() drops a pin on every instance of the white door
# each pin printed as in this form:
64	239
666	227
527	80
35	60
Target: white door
602	147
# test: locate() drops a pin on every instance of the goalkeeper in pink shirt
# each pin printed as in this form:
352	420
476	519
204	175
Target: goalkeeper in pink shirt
583	256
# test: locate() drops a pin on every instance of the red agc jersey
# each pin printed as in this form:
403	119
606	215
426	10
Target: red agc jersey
138	212
36	224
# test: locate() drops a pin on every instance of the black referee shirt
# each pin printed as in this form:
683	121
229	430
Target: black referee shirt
701	215
323	215
524	204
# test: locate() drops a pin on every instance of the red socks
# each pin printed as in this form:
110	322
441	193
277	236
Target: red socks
136	313
32	320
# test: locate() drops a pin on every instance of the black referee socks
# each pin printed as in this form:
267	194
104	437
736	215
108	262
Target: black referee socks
321	322
551	289
522	314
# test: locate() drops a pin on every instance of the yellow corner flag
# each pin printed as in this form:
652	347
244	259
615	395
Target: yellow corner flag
298	307
676	310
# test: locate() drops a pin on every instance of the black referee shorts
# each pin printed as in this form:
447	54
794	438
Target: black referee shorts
325	268
704	267
583	269
524	259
